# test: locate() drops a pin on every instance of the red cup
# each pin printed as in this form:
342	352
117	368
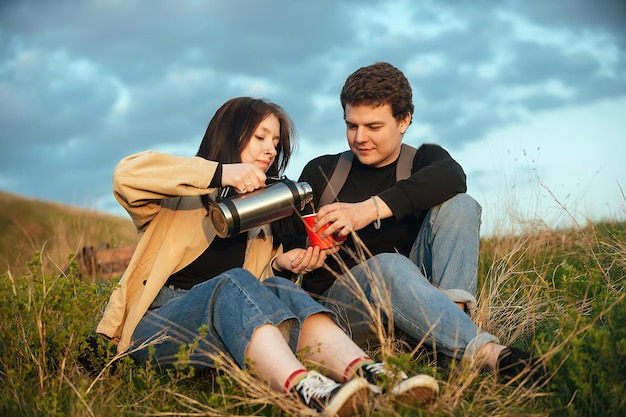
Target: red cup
314	237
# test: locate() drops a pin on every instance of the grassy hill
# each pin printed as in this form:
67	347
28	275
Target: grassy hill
29	226
559	293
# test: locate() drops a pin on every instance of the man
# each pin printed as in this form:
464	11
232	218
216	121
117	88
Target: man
426	216
403	204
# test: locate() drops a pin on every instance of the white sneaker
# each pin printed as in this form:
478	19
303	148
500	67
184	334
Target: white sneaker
332	398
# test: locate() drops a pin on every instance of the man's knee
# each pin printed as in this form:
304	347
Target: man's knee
460	209
463	202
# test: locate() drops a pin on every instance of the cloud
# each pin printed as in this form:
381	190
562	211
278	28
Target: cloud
84	83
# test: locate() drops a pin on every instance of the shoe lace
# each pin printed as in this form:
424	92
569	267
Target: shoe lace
315	385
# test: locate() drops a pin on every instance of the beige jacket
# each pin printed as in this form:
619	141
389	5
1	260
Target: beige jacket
161	192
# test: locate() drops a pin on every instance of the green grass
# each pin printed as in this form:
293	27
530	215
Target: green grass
557	292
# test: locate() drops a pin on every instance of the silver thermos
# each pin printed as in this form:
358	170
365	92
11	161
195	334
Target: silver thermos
231	216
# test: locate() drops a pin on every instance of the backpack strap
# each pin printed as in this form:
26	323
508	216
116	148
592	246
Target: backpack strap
405	162
337	178
344	164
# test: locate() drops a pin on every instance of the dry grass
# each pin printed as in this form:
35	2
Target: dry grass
31	226
520	291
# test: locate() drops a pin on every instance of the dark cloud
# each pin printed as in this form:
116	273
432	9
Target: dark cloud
604	16
83	83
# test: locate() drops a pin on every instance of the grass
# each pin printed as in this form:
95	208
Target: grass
559	293
29	226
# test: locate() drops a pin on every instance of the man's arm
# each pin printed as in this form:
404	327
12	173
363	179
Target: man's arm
436	178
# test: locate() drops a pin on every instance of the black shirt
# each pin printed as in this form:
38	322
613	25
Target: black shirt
221	256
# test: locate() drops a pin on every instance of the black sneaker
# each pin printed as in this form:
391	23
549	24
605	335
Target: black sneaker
331	398
513	361
418	389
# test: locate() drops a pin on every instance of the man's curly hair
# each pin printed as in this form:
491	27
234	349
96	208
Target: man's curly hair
378	84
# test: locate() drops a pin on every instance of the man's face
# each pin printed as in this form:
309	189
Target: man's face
374	135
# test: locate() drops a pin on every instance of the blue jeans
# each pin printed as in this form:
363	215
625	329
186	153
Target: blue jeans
444	256
446	248
418	308
231	306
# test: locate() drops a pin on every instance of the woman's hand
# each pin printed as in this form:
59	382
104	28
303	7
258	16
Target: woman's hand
302	261
242	177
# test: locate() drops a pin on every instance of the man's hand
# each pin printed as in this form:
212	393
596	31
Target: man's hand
347	217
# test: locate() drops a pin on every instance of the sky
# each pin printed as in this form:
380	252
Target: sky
528	96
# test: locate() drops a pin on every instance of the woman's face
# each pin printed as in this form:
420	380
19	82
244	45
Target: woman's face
261	149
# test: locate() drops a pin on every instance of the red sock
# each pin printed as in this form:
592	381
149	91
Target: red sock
354	365
294	378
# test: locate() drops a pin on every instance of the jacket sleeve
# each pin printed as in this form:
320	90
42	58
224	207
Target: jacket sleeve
142	180
436	178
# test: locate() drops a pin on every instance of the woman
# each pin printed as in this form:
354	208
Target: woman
183	278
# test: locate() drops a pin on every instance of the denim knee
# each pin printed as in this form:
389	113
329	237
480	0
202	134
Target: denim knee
461	205
298	301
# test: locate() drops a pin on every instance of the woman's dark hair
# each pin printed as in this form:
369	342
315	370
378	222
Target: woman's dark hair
233	125
378	84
